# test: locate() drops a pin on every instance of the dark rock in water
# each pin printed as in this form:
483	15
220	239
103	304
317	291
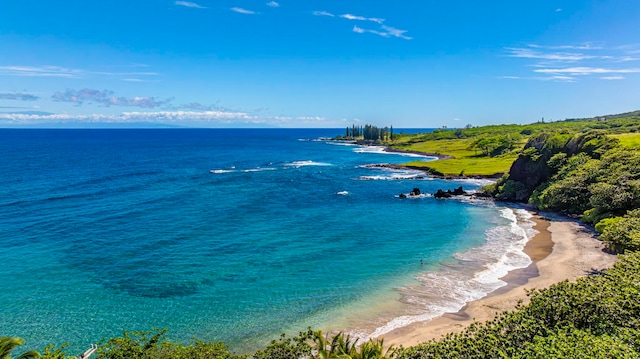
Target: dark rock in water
482	195
449	193
415	192
402	195
443	194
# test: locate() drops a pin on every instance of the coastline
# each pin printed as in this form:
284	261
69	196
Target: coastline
562	250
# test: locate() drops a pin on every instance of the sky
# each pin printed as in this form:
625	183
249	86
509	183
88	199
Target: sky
316	63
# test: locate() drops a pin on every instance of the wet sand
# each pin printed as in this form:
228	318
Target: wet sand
563	249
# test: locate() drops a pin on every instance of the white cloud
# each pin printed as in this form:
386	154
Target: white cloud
106	98
18	96
591	60
558	10
559	78
510	77
40	71
557	56
189	4
586	71
323	13
585	46
63	72
384	31
396	32
388	32
627	59
188	118
273	4
125	117
242	11
362	18
358	29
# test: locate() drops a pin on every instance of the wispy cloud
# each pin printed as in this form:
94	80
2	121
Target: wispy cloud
323	13
189	4
166	117
586	71
558	78
65	72
568	63
388	31
106	98
553	56
18	96
383	30
362	18
209	118
273	4
40	71
242	11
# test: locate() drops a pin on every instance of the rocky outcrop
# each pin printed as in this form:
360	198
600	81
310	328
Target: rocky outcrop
449	193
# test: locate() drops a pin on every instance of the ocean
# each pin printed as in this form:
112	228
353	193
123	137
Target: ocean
233	235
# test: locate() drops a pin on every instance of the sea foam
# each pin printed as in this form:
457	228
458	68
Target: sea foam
298	164
480	272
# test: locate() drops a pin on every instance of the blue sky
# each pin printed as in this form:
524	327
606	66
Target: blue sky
316	63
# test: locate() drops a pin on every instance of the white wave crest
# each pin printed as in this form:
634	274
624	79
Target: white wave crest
256	169
298	164
260	169
449	290
222	171
343	193
382	151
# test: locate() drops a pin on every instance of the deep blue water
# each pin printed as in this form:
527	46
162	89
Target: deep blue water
218	234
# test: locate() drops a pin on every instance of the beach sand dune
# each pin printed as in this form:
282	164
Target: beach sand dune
563	249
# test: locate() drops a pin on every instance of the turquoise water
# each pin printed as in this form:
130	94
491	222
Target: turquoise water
231	235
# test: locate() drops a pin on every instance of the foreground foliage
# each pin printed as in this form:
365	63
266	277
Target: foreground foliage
8	344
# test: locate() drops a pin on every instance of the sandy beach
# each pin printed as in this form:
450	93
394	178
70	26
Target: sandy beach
563	249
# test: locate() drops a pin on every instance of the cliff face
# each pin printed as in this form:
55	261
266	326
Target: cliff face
527	172
530	168
543	156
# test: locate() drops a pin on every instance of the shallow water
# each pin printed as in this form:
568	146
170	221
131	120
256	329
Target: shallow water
231	235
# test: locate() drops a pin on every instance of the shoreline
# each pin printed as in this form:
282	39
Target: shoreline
562	250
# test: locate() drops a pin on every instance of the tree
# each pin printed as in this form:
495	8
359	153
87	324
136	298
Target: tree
7	344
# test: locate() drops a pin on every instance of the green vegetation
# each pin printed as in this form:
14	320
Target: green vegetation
8	344
589	175
154	345
490	150
629	140
368	134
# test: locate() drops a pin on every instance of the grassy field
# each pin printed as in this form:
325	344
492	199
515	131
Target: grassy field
465	161
458	142
480	166
629	140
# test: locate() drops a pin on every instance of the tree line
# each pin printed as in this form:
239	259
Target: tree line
369	133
